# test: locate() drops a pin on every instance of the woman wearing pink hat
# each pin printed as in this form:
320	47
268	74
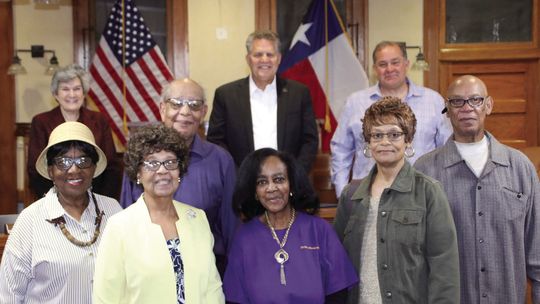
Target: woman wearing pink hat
49	256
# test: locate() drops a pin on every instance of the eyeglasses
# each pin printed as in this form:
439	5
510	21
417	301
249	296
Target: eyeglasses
65	163
474	101
193	104
392	136
153	165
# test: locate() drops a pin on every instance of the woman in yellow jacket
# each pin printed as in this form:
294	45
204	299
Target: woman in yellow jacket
157	250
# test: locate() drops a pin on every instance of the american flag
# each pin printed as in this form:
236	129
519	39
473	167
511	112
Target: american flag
127	71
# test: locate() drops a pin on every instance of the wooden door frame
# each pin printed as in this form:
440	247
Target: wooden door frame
177	34
8	169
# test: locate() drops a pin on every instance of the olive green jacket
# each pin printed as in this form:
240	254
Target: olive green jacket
417	253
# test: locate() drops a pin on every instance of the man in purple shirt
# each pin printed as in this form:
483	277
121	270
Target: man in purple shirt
209	181
390	64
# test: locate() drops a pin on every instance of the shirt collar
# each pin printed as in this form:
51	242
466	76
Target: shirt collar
414	90
497	152
54	209
253	87
402	183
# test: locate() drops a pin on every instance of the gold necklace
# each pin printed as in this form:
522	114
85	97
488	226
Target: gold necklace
281	255
61	221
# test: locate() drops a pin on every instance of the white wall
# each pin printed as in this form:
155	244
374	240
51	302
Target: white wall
48	26
396	20
213	61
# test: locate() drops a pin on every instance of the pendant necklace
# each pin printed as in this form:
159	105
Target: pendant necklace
281	255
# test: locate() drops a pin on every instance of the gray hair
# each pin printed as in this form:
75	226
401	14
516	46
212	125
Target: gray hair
263	34
166	89
381	45
68	73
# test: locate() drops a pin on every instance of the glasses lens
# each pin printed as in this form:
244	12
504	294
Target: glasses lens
152	165
456	102
64	163
395	136
193	104
475	101
171	164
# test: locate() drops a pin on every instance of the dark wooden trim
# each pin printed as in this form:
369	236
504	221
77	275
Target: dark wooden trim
8	169
83	32
265	15
177	37
358	13
431	44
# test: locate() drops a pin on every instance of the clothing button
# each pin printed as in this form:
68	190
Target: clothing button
382	240
388	294
481	240
482	269
484	295
383	213
479	187
384	266
519	195
480	213
91	254
84	231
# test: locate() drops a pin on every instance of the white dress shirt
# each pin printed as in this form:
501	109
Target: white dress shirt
40	265
264	114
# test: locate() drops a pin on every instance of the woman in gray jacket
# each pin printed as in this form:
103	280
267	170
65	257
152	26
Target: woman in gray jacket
396	223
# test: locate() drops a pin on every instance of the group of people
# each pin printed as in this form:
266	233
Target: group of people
437	211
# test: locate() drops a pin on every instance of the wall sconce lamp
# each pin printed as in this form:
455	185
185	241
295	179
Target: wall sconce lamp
37	51
420	64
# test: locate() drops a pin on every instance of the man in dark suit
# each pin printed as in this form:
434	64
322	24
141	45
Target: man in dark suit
264	110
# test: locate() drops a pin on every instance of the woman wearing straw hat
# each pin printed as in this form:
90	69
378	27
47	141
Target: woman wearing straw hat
50	254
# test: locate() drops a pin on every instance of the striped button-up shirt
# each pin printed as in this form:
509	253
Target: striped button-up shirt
40	265
432	131
497	221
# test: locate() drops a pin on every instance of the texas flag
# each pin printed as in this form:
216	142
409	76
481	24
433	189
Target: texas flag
321	57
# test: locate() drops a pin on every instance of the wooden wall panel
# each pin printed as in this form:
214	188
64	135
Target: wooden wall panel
512	87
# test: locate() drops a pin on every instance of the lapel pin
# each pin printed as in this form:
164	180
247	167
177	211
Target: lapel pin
191	214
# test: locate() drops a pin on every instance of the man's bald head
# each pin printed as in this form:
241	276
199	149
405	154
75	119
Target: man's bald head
467	106
468	81
178	113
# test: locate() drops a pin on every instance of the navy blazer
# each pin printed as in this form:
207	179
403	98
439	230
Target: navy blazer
231	123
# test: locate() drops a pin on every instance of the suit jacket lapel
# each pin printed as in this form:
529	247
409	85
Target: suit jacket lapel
282	104
244	111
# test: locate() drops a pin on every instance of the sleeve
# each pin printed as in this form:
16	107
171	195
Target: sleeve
16	266
217	126
532	236
214	291
38	140
110	276
444	126
109	182
229	221
343	148
310	134
233	282
338	271
342	215
130	192
441	248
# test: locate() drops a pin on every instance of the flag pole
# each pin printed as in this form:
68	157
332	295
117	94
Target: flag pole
124	101
327	125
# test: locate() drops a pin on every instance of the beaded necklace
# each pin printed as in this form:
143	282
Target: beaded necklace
61	222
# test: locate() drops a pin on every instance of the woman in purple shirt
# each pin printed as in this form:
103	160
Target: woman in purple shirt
283	254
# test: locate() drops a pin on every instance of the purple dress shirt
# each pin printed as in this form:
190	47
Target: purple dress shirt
317	266
208	184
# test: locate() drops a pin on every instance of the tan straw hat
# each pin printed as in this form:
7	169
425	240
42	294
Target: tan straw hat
70	130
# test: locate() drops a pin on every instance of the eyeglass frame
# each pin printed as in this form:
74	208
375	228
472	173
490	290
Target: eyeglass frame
387	135
77	161
178	103
148	163
468	101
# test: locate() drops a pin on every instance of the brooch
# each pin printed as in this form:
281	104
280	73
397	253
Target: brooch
191	214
